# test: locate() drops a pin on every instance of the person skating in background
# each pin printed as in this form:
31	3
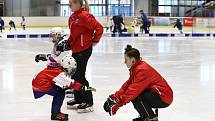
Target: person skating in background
124	29
1	24
135	24
133	28
145	88
12	24
54	80
85	33
23	23
149	24
179	26
118	24
144	21
110	25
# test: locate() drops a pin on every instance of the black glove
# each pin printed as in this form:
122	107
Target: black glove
108	104
63	46
42	57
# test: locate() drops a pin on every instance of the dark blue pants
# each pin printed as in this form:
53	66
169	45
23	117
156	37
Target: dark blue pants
58	98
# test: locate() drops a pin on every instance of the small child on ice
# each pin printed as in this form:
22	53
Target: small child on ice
179	25
55	79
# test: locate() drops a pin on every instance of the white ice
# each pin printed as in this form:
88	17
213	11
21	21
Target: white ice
188	64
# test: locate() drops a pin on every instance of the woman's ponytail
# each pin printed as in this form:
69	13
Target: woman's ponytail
86	5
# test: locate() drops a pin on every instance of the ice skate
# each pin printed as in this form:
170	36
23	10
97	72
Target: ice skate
69	93
59	117
145	119
72	104
85	108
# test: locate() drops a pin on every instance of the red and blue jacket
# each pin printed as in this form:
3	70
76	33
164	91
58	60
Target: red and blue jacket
44	80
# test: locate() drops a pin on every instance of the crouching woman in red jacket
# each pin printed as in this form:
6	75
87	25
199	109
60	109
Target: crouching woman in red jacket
145	88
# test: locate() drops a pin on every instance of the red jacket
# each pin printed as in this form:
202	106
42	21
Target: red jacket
84	30
144	77
44	81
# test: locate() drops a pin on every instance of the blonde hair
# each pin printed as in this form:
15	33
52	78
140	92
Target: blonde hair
84	4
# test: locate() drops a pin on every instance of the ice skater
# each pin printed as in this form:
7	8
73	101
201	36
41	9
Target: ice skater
119	25
135	25
133	28
149	24
179	25
1	24
12	24
54	80
85	32
23	23
144	21
145	88
110	25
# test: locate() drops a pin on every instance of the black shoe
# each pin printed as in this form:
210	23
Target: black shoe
60	117
72	104
85	108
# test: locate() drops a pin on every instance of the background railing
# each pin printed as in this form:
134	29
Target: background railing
159	24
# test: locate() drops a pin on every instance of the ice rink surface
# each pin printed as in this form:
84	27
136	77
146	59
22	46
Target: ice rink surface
188	64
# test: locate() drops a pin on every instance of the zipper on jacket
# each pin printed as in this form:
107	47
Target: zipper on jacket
82	37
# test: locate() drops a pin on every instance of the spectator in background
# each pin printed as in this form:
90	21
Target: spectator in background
144	22
12	24
179	25
1	24
23	23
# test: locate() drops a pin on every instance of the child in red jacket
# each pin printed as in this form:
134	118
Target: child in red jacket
54	80
145	88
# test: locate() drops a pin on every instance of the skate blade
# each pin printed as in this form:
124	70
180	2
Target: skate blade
154	119
74	107
70	96
61	120
66	119
87	110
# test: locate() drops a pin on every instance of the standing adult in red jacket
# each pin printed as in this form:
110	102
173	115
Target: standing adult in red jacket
145	88
85	32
